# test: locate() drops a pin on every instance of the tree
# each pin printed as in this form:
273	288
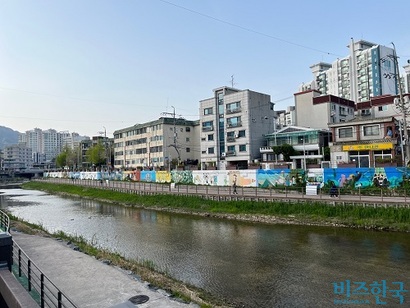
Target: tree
61	160
285	149
96	154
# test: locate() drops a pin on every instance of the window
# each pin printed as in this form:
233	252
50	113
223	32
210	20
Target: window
208	111
210	137
187	139
233	107
211	150
346	132
187	129
371	130
241	133
188	150
234	122
382	108
231	148
242	148
208	126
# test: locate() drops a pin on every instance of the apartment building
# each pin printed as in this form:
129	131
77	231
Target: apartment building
161	144
285	118
17	157
315	110
71	140
368	70
233	123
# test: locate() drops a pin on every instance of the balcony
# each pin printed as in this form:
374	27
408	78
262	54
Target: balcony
265	150
231	125
207	128
233	110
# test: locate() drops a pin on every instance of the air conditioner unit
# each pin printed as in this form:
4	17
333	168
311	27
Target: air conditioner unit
223	154
236	135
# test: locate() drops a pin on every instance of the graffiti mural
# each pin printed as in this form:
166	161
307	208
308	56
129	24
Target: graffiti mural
163	177
390	177
148	176
181	177
280	177
245	178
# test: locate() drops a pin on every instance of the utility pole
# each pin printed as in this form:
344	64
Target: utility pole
174	145
105	146
402	107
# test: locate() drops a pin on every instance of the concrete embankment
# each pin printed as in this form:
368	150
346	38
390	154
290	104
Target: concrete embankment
87	281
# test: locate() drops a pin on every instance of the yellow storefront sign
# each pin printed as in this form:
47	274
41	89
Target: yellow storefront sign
367	147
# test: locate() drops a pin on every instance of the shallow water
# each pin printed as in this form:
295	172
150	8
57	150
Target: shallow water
251	265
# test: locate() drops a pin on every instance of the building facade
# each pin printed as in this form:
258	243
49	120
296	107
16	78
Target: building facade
317	111
285	118
309	142
369	70
233	123
363	142
158	144
17	157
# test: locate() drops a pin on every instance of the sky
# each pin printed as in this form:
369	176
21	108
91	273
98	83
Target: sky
94	66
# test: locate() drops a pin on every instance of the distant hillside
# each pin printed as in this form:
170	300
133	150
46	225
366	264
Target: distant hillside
8	137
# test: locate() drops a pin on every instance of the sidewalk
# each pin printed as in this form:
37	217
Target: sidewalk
87	281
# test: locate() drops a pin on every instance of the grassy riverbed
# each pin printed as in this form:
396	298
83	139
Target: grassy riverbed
316	213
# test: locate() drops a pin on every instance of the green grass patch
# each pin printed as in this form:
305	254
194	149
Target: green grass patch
395	218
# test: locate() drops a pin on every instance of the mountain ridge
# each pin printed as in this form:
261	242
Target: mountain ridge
8	136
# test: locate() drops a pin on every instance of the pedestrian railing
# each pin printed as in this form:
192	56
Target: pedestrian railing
40	287
387	196
4	222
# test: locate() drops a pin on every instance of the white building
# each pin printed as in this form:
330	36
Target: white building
368	70
156	144
17	157
47	144
71	140
233	124
317	111
285	118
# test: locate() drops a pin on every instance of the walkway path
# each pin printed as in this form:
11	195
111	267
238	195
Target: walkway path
84	279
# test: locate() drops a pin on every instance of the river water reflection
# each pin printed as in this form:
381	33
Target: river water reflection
251	265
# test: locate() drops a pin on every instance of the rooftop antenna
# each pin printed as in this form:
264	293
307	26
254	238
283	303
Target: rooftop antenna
232	81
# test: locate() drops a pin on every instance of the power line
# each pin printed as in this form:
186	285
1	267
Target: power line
71	98
249	30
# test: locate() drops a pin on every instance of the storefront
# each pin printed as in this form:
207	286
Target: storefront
366	155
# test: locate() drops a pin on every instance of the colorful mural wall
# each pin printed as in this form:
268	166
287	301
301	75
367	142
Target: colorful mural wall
342	177
367	177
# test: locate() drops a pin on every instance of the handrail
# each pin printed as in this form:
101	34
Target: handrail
4	221
44	291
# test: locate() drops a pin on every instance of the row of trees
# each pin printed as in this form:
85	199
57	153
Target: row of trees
72	158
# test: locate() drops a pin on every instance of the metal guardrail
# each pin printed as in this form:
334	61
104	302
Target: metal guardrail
40	287
381	197
4	222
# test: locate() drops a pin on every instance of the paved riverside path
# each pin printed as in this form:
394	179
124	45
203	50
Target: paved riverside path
244	193
84	279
